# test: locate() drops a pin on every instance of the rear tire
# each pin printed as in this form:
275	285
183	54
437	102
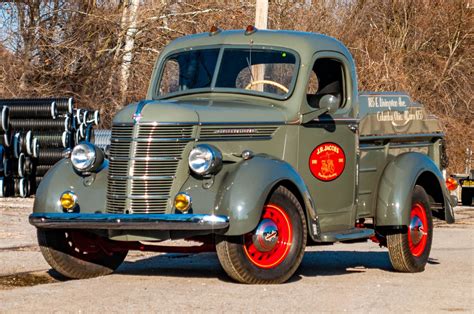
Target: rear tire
264	256
466	196
409	251
79	254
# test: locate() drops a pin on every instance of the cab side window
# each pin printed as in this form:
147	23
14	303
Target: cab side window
326	78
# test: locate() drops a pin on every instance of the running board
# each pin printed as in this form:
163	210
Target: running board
347	235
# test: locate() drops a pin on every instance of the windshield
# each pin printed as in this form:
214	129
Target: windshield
268	72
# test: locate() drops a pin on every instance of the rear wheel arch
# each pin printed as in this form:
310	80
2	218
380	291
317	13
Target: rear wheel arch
396	185
430	183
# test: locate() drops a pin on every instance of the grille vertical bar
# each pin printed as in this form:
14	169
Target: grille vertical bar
143	163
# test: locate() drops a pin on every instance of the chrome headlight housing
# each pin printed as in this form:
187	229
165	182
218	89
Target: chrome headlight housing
86	157
205	159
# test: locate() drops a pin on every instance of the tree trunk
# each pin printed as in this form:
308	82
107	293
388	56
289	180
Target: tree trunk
130	18
261	22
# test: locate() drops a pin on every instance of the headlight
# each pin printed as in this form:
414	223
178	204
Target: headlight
86	157
205	159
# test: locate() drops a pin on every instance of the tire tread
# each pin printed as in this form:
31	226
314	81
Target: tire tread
399	251
73	267
228	254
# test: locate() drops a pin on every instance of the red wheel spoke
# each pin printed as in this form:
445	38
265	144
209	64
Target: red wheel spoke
417	236
275	256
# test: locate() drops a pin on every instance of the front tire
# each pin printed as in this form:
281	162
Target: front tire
79	254
409	251
272	252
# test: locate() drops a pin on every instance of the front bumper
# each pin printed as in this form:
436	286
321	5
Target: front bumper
129	221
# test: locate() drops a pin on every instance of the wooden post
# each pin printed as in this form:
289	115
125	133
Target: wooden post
261	22
261	14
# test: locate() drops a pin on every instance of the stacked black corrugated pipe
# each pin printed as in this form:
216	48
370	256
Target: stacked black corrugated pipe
26	124
101	138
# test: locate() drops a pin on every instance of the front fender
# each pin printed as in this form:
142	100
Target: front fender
396	186
90	190
245	190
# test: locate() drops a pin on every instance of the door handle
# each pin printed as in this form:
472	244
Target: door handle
353	127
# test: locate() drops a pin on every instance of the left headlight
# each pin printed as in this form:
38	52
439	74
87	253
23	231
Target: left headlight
205	159
86	157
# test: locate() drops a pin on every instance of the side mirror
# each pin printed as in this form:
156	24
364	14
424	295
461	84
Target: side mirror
329	102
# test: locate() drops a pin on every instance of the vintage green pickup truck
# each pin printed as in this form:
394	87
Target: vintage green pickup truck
256	143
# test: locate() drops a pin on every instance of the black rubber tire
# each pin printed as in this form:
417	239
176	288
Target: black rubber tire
466	196
60	254
230	250
399	251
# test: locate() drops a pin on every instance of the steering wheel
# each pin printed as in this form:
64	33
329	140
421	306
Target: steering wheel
273	83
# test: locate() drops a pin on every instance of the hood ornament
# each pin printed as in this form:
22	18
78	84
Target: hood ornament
137	117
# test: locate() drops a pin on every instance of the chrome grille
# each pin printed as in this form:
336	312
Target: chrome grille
159	149
122	131
143	163
153	168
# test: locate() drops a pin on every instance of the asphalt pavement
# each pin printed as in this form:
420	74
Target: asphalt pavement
336	278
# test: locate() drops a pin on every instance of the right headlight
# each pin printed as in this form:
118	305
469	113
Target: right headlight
205	159
86	157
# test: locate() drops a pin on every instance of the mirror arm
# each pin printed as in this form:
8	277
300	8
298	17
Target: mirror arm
310	116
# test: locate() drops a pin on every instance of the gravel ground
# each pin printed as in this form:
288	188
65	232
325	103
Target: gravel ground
337	278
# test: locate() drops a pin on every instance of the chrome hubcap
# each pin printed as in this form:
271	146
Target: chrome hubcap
266	235
416	230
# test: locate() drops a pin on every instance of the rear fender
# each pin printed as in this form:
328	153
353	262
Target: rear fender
396	186
244	192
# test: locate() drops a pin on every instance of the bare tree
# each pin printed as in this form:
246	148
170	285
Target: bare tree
129	22
102	52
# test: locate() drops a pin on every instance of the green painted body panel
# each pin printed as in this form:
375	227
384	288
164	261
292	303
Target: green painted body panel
396	186
240	193
334	200
388	142
61	178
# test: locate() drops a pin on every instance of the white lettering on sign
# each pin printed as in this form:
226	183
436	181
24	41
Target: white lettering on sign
326	148
397	116
382	102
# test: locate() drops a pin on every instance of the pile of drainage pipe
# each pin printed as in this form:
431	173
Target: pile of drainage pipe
34	135
101	138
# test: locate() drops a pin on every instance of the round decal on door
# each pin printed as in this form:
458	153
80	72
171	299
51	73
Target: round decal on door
327	161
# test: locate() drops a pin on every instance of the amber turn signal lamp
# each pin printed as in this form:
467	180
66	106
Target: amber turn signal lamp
68	200
214	30
182	202
250	30
451	184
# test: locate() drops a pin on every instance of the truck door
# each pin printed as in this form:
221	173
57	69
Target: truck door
328	145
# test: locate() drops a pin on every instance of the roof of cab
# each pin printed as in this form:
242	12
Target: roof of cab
303	42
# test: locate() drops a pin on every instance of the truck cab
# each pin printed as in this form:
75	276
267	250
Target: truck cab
254	142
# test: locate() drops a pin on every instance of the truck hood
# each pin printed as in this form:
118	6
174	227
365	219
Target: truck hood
201	111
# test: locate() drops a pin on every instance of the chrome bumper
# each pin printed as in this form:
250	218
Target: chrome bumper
129	221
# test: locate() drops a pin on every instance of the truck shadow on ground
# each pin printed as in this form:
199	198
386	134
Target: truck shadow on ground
206	265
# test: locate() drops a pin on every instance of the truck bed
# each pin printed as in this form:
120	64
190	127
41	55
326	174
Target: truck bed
391	124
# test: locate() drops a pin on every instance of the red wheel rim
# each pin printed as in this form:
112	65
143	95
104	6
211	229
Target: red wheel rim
418	230
272	258
85	246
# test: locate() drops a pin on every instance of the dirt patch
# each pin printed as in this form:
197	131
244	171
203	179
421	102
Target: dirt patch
27	279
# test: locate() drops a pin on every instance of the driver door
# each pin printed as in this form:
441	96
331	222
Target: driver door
328	146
